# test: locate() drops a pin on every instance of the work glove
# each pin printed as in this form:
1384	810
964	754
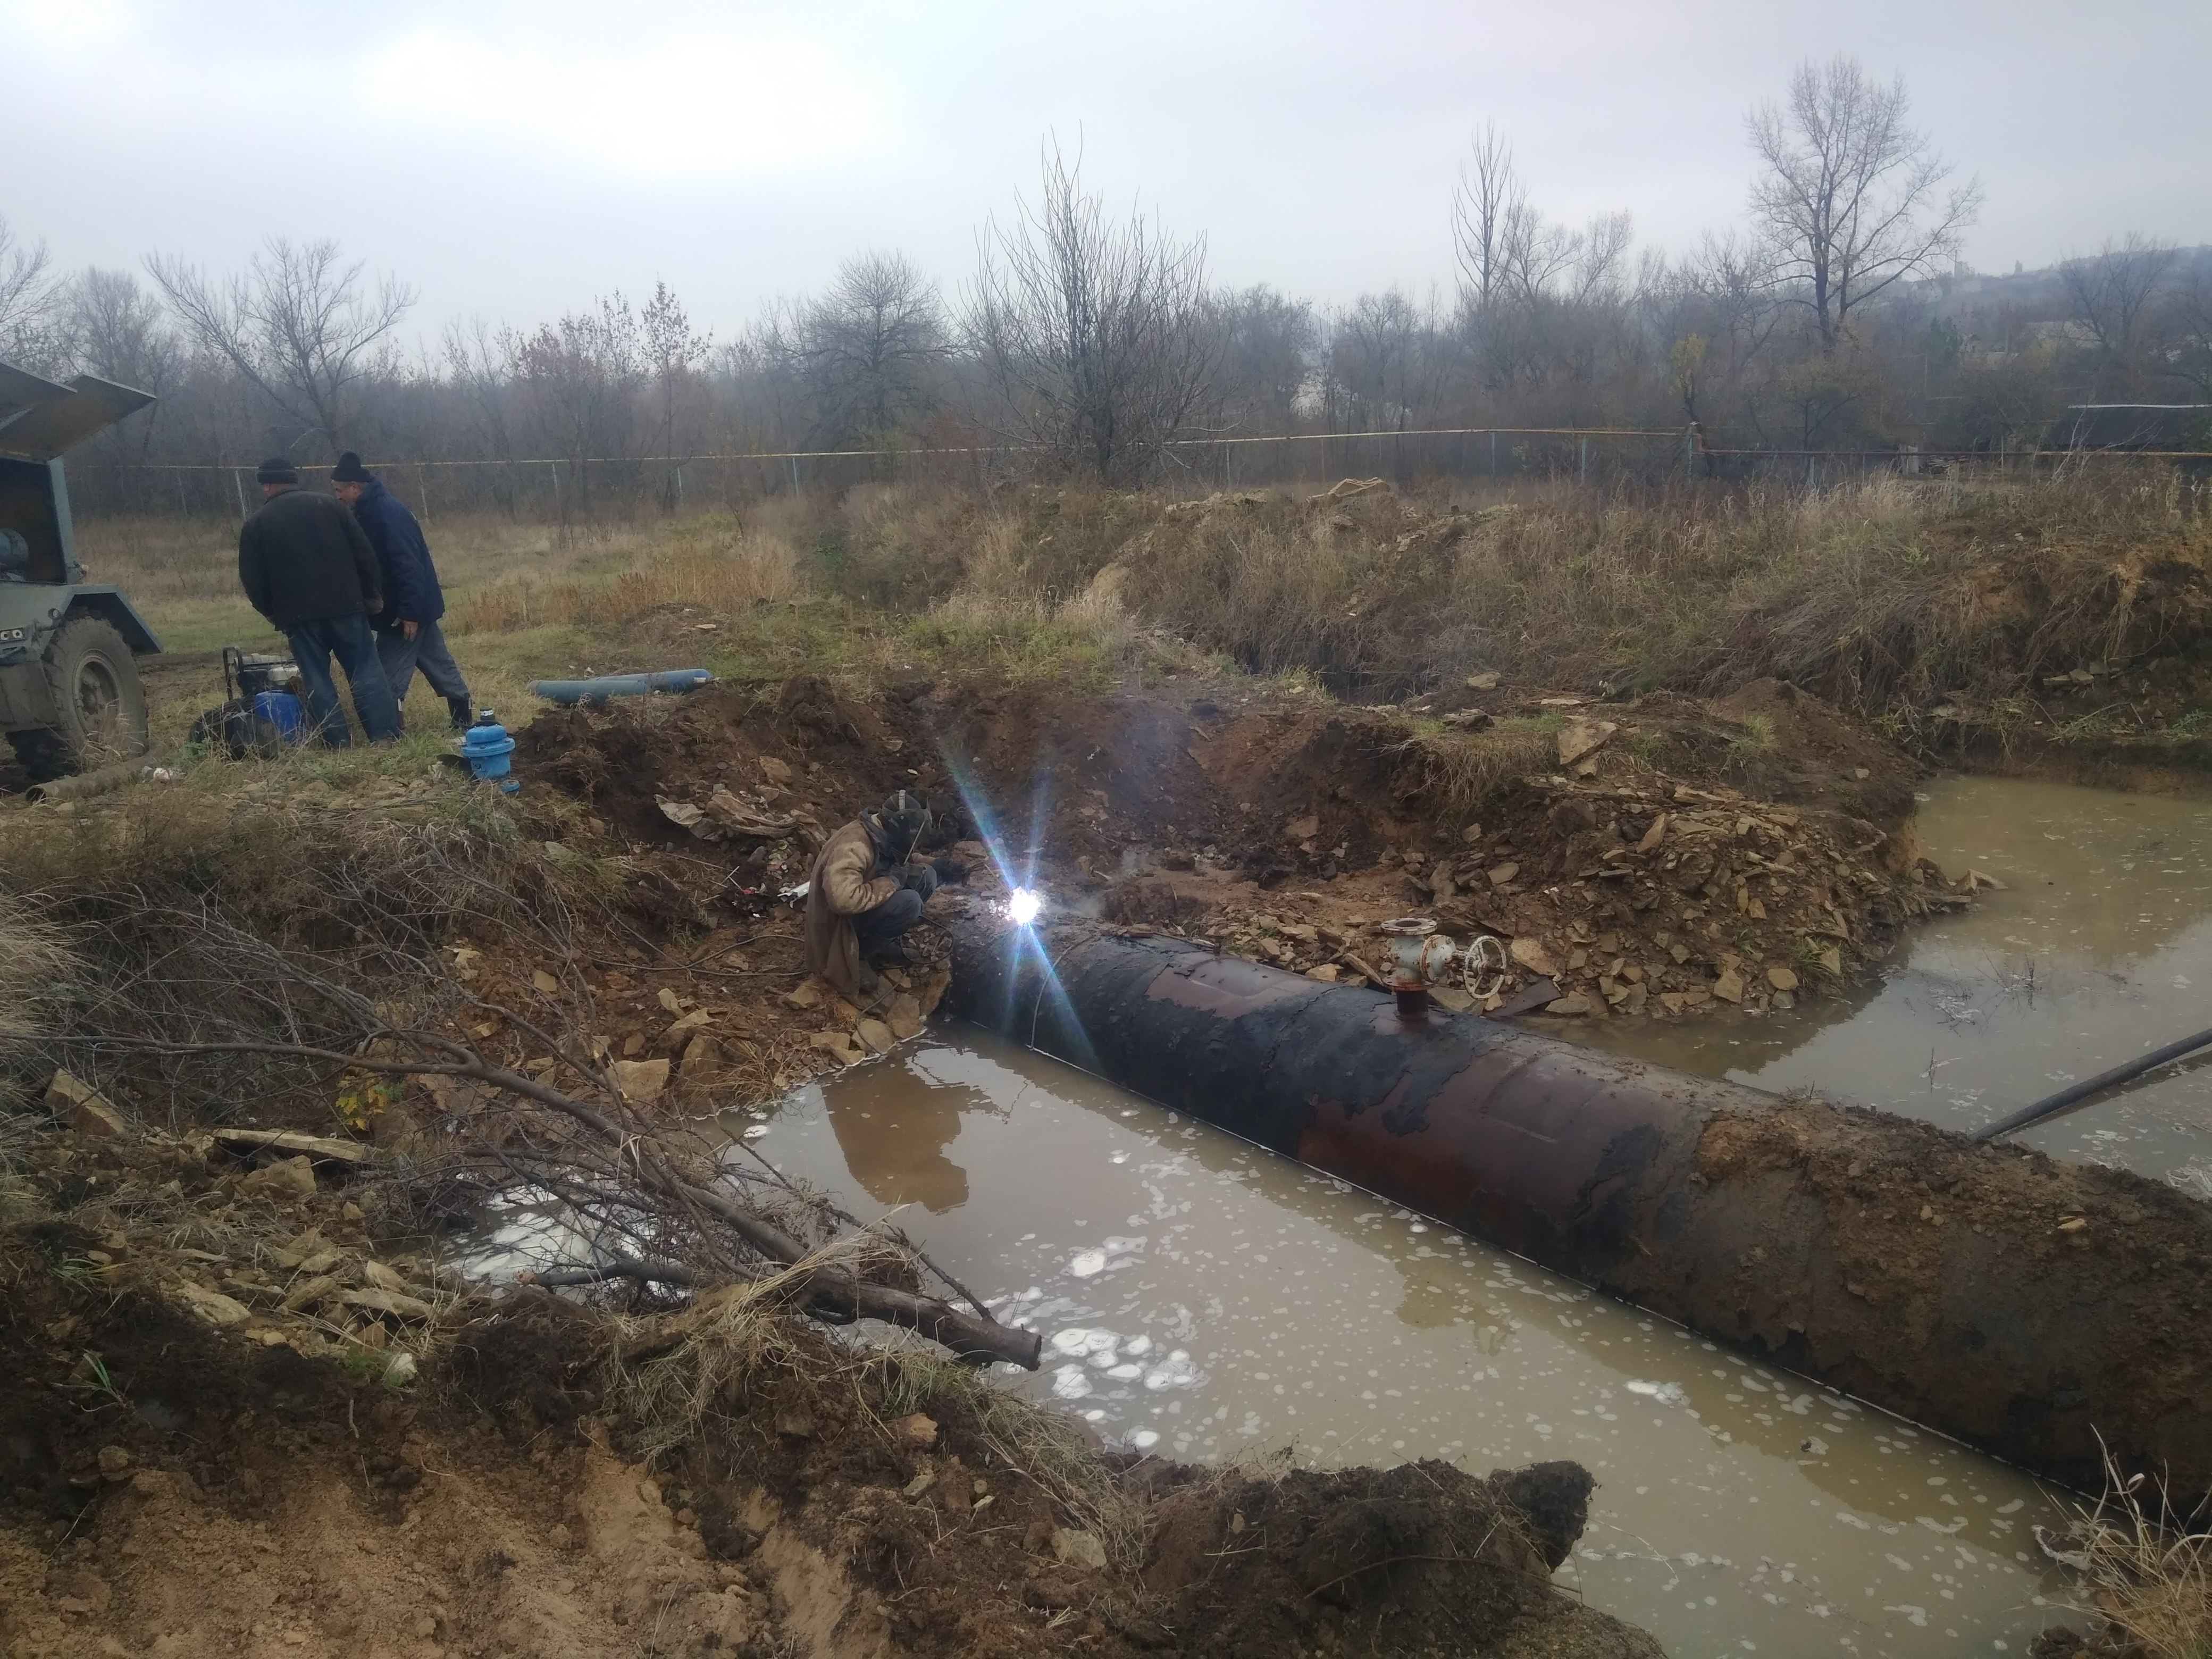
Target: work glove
918	877
949	871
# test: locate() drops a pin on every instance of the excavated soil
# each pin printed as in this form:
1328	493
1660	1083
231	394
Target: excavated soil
1652	858
205	1453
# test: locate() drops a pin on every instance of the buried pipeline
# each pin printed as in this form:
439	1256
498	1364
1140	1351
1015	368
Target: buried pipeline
2048	1312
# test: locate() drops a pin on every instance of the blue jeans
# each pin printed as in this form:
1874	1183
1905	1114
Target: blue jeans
401	656
881	925
350	641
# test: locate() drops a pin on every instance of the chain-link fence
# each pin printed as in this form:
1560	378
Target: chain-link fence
562	490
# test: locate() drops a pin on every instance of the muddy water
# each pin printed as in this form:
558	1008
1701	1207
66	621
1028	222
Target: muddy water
2099	948
1210	1300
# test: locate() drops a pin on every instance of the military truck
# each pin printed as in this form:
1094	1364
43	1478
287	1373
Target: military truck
70	696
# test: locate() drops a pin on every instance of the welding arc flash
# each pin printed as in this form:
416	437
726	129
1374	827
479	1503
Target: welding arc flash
1023	906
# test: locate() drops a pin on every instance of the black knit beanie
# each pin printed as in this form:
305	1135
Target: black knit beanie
350	470
276	470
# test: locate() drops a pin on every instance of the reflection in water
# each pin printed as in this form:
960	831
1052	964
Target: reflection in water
1214	1301
895	1148
2098	948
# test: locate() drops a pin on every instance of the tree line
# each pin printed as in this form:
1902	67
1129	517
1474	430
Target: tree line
1835	316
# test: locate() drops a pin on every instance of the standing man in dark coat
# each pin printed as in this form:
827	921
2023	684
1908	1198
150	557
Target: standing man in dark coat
407	634
308	569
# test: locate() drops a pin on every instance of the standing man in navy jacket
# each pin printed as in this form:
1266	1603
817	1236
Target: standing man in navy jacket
308	568
407	631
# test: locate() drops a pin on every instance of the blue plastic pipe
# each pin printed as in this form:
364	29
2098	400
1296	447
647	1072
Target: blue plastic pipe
621	685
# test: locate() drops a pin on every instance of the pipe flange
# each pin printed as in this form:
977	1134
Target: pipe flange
1408	927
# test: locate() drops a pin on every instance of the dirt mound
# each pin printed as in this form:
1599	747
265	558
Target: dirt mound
1654	857
800	746
193	1469
1446	1562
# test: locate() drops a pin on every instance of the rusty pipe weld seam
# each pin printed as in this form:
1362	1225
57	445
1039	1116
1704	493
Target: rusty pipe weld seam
1565	1155
1588	1164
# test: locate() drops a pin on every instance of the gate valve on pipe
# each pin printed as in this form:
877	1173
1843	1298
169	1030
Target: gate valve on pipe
1417	958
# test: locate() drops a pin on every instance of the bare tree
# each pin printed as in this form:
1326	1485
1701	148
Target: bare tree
1385	362
2116	293
1848	199
2191	340
1600	257
112	327
28	290
870	345
580	379
1488	209
1092	336
673	353
1266	361
115	329
298	324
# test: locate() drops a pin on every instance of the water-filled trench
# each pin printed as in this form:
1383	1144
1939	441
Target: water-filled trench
2098	948
1208	1300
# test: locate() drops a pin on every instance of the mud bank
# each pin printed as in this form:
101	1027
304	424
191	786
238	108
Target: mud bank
2046	1312
192	1469
1654	858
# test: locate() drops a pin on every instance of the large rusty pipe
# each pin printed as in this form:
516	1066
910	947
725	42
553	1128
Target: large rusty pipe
1658	1186
1561	1153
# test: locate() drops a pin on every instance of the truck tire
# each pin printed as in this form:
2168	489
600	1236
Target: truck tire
94	681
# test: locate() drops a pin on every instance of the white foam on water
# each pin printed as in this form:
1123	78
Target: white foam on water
1175	1371
1667	1393
1070	1382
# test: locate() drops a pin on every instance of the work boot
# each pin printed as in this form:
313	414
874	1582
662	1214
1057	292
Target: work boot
464	716
890	954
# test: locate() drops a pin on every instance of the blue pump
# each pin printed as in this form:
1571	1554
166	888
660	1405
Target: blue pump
485	746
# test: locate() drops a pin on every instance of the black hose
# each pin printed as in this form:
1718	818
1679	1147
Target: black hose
2074	1094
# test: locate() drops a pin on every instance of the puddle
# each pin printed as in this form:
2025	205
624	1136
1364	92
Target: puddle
2099	948
1210	1300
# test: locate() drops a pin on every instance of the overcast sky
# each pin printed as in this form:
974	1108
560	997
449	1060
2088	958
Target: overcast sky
514	160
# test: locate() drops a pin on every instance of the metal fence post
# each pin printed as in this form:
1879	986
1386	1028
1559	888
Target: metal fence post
239	484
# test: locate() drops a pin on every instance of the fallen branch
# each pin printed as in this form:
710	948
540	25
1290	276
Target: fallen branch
622	1266
650	1161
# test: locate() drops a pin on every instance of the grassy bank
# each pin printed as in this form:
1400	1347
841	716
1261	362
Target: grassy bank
1886	597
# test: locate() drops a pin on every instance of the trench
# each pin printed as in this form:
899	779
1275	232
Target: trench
1205	1299
2098	948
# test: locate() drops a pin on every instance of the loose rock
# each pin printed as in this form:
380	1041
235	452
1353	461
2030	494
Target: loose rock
643	1081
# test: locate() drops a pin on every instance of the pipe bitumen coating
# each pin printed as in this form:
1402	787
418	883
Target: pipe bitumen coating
1703	1201
621	685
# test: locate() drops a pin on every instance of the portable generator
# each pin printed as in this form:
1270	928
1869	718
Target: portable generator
263	709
